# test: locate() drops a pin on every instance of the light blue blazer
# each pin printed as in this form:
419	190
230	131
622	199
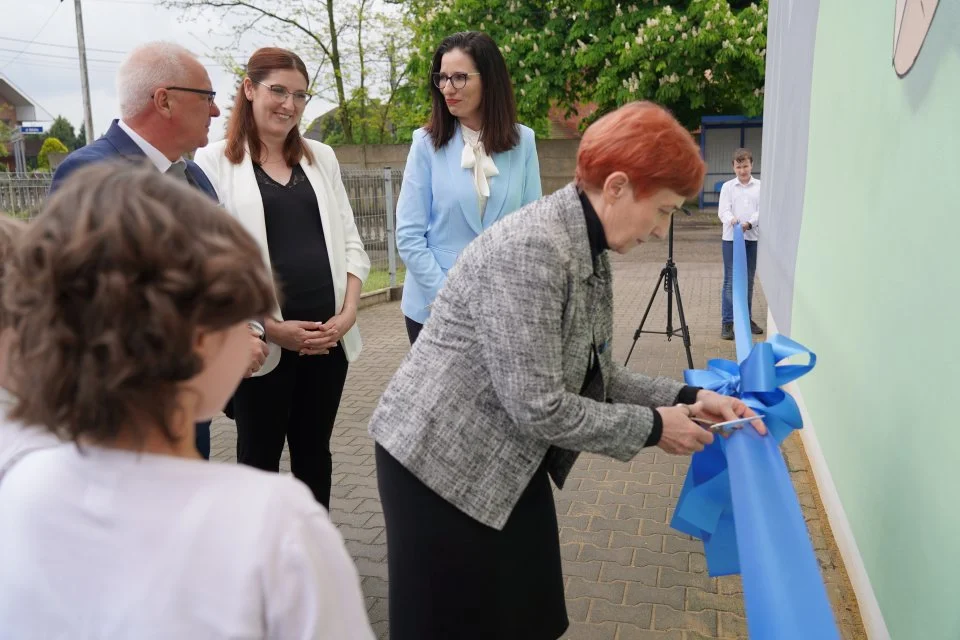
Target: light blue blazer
438	213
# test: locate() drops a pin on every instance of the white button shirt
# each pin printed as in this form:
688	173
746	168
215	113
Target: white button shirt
160	161
741	202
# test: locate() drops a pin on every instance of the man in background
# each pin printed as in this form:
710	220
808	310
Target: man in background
739	205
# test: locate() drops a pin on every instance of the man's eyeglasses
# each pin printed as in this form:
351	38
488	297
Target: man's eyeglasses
280	93
211	95
459	80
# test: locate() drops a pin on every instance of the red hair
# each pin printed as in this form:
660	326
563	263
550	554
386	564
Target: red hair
242	128
646	142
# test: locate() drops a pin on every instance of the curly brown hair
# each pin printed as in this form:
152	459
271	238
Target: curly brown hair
108	289
11	229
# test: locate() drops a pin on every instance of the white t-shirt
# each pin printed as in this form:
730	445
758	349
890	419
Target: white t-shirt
741	202
16	439
112	544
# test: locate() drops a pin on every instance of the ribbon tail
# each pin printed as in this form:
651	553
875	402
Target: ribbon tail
783	589
741	308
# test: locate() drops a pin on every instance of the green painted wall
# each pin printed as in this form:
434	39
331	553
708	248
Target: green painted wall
877	288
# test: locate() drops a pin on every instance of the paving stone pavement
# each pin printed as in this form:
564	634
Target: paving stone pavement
628	576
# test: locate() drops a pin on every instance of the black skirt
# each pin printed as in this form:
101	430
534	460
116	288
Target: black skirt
452	577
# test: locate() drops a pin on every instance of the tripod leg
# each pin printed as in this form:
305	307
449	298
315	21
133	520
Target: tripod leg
643	320
684	329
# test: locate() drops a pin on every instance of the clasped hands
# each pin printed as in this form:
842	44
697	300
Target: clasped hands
311	338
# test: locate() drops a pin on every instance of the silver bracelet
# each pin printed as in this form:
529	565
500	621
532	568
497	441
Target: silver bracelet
257	329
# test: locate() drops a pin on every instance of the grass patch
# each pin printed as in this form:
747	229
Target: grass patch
380	279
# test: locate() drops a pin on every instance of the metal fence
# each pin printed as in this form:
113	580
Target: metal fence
373	195
22	194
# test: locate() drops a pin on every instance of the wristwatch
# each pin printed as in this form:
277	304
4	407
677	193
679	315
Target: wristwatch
258	329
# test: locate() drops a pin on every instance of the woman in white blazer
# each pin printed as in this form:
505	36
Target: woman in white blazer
471	166
287	192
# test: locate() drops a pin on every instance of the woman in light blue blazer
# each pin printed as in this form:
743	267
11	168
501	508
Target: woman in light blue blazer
469	167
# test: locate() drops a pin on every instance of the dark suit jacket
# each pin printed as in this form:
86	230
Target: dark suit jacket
116	144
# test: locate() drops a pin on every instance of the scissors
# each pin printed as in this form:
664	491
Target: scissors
724	427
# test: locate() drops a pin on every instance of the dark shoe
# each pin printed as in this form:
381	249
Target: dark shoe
755	328
726	333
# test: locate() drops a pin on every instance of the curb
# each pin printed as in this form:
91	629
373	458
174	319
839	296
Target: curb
371	298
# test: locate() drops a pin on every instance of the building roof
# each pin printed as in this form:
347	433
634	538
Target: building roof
721	120
27	108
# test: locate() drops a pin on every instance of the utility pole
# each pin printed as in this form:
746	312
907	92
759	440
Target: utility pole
84	82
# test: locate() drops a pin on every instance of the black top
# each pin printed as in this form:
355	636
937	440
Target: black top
598	244
598	241
298	248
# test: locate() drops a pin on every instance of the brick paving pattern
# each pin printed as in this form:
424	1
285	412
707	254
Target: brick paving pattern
628	575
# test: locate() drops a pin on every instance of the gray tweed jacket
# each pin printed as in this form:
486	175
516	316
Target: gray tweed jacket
492	385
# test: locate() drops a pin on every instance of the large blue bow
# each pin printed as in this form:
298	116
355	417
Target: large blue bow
738	497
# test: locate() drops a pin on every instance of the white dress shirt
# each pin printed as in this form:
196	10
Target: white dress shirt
741	202
160	161
475	157
108	544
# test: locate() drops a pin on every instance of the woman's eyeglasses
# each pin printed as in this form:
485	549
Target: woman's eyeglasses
279	93
459	80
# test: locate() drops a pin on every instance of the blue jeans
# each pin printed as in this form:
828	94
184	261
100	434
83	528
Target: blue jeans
727	296
203	439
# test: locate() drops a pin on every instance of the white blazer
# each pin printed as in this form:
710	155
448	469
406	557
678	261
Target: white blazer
239	193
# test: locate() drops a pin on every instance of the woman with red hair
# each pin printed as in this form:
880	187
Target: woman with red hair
513	377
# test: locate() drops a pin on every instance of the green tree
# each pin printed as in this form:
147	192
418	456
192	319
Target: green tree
353	44
5	133
62	130
50	145
695	57
81	138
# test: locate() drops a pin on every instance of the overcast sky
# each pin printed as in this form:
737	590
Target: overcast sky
48	71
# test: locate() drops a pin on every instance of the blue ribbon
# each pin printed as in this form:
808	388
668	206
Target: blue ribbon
738	497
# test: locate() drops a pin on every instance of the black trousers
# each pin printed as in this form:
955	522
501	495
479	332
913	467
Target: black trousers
297	401
413	329
452	577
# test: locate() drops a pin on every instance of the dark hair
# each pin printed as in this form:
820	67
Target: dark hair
11	230
108	288
498	107
742	154
646	142
242	128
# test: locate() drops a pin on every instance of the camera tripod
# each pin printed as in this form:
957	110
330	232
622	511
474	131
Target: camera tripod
668	276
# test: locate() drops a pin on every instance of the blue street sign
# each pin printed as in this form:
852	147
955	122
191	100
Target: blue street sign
31	129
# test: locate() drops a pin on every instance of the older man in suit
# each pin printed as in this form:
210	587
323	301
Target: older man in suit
166	105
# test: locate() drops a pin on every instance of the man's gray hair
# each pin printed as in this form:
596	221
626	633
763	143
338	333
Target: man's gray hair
150	67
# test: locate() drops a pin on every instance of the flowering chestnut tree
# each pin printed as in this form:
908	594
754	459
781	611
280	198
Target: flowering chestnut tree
696	57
